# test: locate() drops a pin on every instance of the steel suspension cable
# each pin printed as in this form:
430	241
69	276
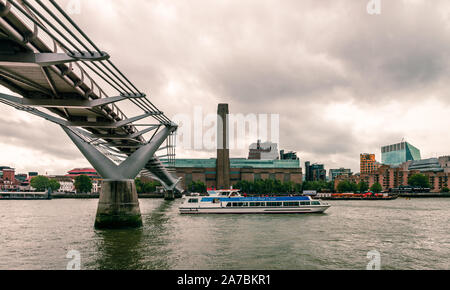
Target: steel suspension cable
149	104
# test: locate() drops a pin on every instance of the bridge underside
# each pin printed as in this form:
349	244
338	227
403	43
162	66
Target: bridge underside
48	63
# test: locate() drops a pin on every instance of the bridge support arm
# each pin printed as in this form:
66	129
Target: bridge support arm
129	168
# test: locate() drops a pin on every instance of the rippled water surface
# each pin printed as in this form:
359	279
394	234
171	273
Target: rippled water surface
409	234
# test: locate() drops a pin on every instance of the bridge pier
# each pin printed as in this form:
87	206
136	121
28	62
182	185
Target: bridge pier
169	195
118	206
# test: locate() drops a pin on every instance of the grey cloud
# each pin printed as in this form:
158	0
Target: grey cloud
402	50
314	135
256	79
288	57
40	138
269	50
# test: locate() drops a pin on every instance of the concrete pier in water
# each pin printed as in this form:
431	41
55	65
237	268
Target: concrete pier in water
118	206
169	195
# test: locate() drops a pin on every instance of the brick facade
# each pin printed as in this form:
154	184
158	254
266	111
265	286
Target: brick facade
390	177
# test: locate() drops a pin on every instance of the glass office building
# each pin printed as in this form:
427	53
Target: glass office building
338	172
315	172
397	154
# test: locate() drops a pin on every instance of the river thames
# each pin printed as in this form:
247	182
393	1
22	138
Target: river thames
408	234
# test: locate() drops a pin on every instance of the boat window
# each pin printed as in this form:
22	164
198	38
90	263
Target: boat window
305	203
291	203
193	200
216	200
256	204
229	204
273	204
315	203
239	204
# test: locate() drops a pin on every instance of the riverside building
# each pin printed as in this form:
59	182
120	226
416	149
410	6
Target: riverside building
338	172
90	172
399	153
436	169
315	172
368	164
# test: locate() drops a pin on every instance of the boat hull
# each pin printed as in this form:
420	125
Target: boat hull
225	210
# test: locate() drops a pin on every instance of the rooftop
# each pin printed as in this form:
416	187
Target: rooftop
76	170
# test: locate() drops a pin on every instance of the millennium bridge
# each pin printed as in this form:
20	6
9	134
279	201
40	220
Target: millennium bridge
56	72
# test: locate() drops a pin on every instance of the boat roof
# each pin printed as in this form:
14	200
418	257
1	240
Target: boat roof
222	190
250	199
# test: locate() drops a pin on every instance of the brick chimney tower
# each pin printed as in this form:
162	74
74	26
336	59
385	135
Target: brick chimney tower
223	151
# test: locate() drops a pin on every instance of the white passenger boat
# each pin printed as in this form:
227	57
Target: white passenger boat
234	203
224	192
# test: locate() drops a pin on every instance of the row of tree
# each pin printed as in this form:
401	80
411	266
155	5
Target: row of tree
347	186
268	186
83	184
319	186
42	183
146	187
276	186
419	180
197	186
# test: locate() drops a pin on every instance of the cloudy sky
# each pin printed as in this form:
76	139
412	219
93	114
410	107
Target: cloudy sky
343	81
